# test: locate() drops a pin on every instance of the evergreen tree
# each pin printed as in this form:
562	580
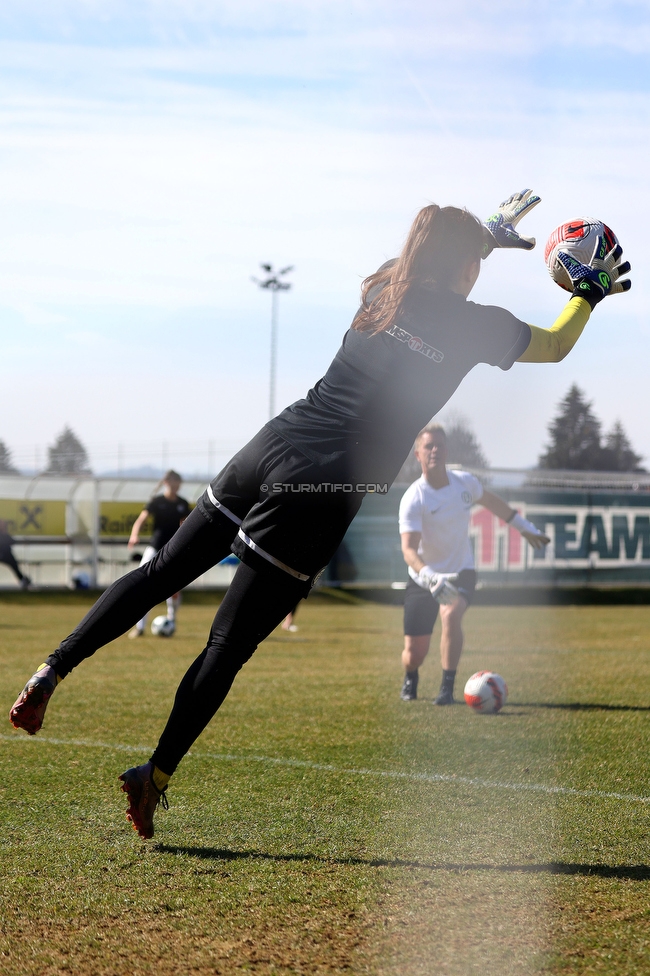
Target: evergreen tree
575	435
67	455
576	440
6	465
618	454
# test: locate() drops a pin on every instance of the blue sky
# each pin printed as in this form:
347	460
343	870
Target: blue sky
152	154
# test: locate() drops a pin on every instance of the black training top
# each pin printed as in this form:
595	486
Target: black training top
381	390
167	517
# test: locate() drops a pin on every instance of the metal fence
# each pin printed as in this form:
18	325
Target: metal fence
72	530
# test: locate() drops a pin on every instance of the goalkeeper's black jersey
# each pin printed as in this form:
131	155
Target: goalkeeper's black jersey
381	390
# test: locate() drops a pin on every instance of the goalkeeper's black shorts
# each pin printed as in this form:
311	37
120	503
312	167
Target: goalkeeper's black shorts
286	509
420	608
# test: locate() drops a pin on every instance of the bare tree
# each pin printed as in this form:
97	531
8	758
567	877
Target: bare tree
462	448
462	444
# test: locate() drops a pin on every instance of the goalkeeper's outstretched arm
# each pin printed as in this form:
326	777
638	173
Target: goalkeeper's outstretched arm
552	345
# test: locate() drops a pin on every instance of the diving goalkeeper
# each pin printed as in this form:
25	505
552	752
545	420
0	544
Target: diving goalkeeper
284	502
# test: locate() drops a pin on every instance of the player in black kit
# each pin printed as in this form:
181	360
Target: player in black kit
284	502
168	511
7	557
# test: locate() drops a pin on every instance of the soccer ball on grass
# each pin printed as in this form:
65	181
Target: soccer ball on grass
486	692
162	626
584	239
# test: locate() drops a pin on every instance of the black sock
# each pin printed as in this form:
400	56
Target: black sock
412	674
448	678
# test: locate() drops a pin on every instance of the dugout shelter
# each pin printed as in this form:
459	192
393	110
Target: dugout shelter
75	530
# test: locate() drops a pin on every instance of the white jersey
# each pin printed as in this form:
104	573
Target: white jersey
442	516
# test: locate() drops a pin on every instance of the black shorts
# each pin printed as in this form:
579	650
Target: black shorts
284	505
420	608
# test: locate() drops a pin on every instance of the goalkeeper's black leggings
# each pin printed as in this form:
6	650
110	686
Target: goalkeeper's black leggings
258	599
297	531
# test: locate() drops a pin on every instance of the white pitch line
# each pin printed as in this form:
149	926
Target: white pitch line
349	771
84	743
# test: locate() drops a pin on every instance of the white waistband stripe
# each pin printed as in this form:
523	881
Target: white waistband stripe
222	508
269	558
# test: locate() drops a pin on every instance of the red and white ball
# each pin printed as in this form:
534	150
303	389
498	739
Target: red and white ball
578	238
486	692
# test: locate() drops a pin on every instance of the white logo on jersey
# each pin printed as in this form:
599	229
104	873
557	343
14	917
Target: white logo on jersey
416	344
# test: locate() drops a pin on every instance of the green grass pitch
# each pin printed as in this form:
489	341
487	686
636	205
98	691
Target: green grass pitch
321	825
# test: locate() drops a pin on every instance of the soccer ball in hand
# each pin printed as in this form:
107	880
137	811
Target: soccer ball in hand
579	238
162	626
486	692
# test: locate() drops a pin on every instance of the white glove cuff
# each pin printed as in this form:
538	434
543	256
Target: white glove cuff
521	524
425	577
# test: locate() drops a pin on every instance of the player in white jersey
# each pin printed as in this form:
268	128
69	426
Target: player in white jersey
433	522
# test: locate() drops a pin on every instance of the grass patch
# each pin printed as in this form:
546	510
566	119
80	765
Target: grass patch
303	835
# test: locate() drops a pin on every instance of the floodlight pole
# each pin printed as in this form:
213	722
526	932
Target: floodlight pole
273	283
